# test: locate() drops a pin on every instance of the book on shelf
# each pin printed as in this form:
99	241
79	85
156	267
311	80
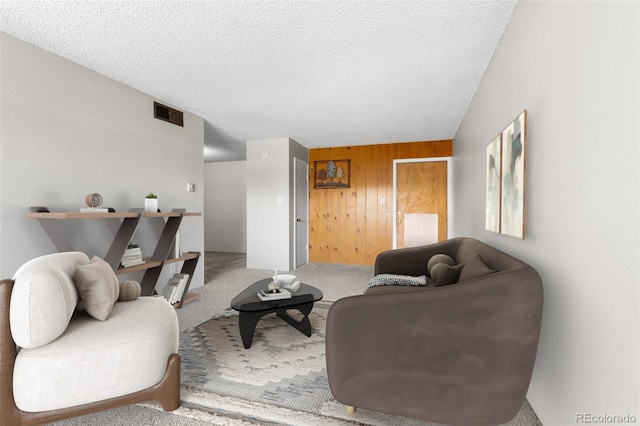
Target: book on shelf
132	256
132	262
171	289
175	288
137	255
184	279
275	294
93	210
132	252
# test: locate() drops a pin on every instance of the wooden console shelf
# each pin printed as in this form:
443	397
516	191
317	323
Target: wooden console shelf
122	231
110	215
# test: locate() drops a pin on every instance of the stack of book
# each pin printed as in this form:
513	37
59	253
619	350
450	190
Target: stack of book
275	294
175	288
132	256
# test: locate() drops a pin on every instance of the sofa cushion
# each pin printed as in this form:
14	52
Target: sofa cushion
449	276
439	258
97	360
475	268
98	287
393	279
44	298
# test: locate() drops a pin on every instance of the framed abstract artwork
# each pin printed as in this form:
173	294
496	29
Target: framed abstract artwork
332	174
493	185
512	204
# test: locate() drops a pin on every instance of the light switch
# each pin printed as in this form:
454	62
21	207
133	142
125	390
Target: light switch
191	187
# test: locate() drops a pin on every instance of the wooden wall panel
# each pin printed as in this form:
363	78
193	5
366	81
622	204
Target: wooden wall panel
350	225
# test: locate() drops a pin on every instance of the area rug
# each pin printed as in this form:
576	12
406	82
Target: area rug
280	380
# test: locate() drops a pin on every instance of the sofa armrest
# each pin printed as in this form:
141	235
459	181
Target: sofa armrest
437	350
413	260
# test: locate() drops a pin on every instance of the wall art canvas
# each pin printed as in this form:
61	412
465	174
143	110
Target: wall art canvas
332	174
512	208
493	185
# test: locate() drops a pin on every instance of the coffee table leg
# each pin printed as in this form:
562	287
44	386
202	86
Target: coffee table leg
303	326
247	324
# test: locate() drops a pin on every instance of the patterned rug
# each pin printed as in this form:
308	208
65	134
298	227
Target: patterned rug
280	380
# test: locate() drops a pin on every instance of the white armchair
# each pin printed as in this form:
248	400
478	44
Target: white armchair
57	361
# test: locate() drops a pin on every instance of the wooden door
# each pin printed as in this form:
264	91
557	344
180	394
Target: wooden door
421	202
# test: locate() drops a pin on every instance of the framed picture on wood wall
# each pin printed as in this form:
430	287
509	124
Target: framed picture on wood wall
332	174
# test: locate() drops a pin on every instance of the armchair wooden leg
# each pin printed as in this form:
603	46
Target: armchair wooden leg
351	409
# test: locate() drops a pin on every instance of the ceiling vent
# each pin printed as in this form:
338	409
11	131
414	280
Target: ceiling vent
165	113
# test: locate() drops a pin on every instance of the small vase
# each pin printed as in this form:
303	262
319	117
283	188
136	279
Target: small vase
151	205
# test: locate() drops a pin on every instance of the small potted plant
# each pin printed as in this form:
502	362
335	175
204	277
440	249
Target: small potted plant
151	203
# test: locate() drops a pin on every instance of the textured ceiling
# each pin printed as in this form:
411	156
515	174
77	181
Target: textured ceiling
324	73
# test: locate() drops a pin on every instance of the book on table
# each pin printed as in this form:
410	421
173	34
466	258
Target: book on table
275	294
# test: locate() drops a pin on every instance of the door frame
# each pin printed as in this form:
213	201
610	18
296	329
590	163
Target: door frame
300	163
449	161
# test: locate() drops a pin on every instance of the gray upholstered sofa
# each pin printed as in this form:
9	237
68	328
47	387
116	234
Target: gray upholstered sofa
459	354
58	361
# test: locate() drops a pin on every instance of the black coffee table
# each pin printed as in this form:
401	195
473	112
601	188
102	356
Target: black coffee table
251	308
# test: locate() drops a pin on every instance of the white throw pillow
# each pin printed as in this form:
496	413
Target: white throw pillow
44	297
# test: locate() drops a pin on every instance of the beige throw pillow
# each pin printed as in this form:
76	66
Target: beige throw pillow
98	287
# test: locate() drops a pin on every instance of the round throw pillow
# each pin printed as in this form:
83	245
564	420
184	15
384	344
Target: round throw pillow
438	269
129	290
439	258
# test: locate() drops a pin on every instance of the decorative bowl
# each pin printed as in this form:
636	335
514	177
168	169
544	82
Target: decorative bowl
284	279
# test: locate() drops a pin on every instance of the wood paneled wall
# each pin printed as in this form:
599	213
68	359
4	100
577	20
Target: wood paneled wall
351	225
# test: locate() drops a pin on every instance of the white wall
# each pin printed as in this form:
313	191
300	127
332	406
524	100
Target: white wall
270	202
225	206
574	67
68	131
